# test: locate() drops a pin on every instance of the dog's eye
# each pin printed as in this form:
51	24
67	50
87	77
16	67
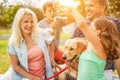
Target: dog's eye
71	48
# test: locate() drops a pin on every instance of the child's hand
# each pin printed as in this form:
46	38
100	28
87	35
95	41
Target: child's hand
80	20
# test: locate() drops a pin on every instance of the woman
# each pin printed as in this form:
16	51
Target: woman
103	43
28	48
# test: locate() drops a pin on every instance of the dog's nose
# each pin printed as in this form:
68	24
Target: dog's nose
64	57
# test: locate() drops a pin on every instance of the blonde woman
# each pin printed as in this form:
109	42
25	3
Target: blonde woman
28	48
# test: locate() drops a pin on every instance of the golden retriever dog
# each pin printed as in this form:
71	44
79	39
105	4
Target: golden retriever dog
73	48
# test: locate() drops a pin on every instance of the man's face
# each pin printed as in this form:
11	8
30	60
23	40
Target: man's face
93	9
49	13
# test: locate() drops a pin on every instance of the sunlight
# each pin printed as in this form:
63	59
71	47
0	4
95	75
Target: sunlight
69	3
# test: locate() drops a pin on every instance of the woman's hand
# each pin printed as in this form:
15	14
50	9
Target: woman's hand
55	65
35	78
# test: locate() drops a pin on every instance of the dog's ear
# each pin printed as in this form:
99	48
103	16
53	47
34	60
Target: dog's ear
81	46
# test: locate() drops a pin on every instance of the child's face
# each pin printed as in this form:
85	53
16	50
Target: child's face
49	13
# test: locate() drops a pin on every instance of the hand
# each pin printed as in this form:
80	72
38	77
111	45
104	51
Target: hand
80	20
36	78
53	24
55	65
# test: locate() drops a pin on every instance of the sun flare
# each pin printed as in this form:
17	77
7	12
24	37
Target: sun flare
69	3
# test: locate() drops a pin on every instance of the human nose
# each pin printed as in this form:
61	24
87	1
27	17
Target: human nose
30	24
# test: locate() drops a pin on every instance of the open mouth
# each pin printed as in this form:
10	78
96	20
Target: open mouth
68	61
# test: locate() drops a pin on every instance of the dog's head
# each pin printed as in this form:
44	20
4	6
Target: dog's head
74	47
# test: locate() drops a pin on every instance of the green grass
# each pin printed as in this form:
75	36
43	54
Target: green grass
65	36
4	31
4	57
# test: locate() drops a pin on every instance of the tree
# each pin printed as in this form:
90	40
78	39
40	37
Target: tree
114	8
8	15
38	13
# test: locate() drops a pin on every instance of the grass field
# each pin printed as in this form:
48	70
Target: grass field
5	31
4	58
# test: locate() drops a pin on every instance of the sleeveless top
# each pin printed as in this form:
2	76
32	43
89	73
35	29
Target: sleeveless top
91	67
36	62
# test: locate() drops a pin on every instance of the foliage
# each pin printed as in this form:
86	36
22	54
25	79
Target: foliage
114	8
81	7
37	11
7	15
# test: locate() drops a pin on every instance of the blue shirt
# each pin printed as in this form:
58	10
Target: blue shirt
44	39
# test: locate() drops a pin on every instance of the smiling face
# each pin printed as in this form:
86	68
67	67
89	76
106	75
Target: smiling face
94	9
49	14
26	24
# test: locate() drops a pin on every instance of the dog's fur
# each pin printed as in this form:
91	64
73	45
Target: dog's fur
73	47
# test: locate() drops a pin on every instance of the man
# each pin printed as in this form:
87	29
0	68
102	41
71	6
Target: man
95	9
56	23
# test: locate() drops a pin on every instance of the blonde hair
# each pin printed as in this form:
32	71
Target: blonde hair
16	36
109	37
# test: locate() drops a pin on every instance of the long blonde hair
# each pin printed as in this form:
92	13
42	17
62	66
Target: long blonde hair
16	36
109	37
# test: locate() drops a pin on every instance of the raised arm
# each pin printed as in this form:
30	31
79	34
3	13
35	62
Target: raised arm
90	34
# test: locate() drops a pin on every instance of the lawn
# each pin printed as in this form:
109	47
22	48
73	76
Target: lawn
4	58
4	31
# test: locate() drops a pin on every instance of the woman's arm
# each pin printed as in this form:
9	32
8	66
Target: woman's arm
51	51
16	66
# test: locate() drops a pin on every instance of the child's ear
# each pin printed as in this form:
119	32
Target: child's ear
98	32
